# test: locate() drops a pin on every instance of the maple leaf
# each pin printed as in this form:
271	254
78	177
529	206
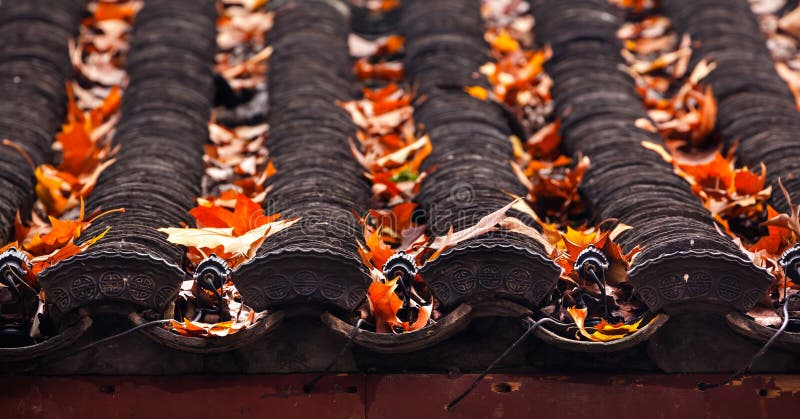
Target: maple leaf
54	189
555	193
401	156
83	158
41	239
80	152
516	225
578	316
200	329
42	262
108	108
578	240
392	154
715	173
61	233
545	142
395	220
234	248
707	118
746	182
375	252
516	75
604	331
115	11
477	92
246	215
572	242
726	191
779	234
791	221
503	42
486	224
384	305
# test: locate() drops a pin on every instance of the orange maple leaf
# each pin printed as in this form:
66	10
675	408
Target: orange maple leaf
777	238
40	263
375	252
246	215
545	142
114	11
394	220
384	305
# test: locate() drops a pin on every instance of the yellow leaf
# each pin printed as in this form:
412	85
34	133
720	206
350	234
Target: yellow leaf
605	332
658	149
505	43
477	92
244	245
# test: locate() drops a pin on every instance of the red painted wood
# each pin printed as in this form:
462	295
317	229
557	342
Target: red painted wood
397	396
178	397
622	397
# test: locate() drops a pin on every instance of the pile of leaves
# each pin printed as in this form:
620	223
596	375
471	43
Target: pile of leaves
243	53
47	235
516	74
391	155
232	227
236	158
782	31
520	85
230	223
610	306
58	216
684	111
376	60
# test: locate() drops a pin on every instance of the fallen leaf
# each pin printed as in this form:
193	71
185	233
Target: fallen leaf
545	142
375	251
790	22
605	332
477	92
235	248
115	11
384	305
578	316
516	225
484	225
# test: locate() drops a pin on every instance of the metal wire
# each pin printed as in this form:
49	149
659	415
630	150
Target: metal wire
531	328
310	386
741	371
